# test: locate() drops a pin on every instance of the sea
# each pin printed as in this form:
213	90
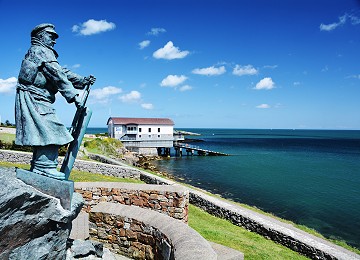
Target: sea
311	177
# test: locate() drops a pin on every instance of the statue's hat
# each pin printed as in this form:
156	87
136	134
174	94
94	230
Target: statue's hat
48	27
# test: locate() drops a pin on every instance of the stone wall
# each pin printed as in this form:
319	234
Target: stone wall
145	234
271	228
170	200
81	165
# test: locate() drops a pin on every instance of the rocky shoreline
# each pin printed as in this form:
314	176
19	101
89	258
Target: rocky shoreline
145	162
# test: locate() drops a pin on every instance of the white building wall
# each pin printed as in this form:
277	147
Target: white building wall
164	129
145	138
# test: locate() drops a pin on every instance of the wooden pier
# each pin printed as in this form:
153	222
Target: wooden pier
191	149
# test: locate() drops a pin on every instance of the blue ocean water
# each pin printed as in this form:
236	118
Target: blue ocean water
311	177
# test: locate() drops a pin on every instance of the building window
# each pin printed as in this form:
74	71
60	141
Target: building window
149	136
139	136
140	129
159	136
149	130
159	130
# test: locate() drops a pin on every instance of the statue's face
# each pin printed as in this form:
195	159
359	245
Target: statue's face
47	38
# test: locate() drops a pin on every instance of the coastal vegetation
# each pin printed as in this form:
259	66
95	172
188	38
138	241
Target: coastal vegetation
105	146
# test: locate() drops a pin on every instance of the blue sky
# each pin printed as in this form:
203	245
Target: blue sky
216	63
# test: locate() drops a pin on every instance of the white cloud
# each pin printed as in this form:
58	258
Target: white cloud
104	93
144	44
296	83
8	85
156	31
270	66
173	80
354	76
354	20
263	106
265	83
210	71
133	96
147	106
245	70
93	27
170	52
185	88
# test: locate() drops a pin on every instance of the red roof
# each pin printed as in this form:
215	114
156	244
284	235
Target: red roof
140	121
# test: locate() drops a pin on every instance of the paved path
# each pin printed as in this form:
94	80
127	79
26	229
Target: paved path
7	130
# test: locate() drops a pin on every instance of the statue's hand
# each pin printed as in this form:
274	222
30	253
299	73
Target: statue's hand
90	80
77	100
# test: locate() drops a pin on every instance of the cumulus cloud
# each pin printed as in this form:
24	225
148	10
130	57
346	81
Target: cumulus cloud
133	96
210	71
245	70
170	52
185	88
92	26
354	76
8	85
353	19
265	83
147	106
144	44
263	106
156	31
104	93
173	80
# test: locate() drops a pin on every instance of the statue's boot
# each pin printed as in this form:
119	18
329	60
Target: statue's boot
45	161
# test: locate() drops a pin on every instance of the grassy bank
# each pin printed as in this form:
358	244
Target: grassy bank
223	232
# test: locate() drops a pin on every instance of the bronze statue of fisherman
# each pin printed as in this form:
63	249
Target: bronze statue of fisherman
40	78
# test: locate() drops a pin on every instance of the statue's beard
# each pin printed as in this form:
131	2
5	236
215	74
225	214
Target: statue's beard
39	41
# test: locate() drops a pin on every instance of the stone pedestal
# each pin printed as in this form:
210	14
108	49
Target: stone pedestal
61	189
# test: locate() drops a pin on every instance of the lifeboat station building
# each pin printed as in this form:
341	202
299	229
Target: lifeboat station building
151	136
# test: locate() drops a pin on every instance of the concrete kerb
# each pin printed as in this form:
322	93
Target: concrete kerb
187	243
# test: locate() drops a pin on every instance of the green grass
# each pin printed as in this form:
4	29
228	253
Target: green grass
80	176
18	165
223	232
301	227
7	138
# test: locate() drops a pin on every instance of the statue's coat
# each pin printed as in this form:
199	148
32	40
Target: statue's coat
40	78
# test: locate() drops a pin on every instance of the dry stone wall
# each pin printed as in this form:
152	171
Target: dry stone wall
169	200
81	165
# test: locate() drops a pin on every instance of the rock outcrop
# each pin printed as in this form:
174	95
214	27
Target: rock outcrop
33	225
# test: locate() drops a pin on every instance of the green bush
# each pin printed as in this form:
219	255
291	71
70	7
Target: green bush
106	146
13	146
